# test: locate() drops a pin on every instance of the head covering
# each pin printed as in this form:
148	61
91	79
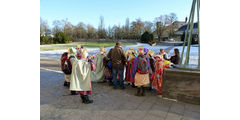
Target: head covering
150	52
78	47
73	50
145	50
84	53
140	50
158	57
101	48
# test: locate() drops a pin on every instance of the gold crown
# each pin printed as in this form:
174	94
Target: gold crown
84	53
150	52
79	46
101	48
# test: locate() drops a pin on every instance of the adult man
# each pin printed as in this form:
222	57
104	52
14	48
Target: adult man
118	58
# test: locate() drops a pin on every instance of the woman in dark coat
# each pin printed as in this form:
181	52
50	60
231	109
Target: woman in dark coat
175	59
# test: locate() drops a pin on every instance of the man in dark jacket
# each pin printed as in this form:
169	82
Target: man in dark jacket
118	58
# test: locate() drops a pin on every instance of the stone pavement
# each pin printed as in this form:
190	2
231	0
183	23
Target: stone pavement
109	104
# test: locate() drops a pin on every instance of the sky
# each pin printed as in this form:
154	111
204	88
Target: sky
114	12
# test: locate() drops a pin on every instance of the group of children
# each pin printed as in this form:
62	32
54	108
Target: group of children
142	68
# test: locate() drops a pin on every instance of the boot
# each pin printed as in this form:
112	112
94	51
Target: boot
74	93
87	100
83	98
138	91
67	84
143	91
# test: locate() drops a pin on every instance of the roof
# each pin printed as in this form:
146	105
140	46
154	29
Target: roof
195	25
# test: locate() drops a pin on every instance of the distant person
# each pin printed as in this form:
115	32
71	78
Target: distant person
118	58
163	54
175	59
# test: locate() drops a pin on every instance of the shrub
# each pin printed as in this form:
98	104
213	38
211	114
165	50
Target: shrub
146	37
61	37
43	40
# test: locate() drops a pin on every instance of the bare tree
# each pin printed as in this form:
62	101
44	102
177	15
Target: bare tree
137	29
101	29
91	32
127	29
44	28
161	23
58	26
172	19
148	26
68	29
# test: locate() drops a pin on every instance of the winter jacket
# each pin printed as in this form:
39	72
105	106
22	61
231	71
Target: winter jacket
118	58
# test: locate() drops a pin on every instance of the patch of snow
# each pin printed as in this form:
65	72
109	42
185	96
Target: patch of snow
56	54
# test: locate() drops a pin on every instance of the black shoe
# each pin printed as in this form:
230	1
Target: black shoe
122	88
83	98
143	91
133	85
74	93
138	92
87	100
67	84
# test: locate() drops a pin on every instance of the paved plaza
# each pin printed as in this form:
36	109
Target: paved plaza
109	104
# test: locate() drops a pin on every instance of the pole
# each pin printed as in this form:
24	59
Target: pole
190	35
198	7
186	33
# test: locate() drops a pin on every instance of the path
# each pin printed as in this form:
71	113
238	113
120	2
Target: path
109	104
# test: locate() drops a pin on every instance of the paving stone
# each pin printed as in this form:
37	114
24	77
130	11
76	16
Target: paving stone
177	108
109	104
191	115
152	117
158	110
137	114
172	116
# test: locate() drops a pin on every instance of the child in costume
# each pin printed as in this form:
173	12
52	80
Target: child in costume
108	69
99	74
129	66
80	77
140	69
158	74
66	65
152	62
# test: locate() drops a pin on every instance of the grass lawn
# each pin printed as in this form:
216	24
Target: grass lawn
84	44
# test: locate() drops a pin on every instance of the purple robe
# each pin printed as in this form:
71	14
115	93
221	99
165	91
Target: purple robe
134	69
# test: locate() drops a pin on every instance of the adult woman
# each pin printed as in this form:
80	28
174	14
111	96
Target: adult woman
175	58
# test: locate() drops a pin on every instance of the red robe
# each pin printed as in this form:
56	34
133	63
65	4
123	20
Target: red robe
158	74
129	70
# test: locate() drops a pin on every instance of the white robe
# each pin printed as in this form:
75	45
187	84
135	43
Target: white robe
99	74
80	77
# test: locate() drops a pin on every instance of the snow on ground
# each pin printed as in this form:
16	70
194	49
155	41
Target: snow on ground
56	54
193	59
